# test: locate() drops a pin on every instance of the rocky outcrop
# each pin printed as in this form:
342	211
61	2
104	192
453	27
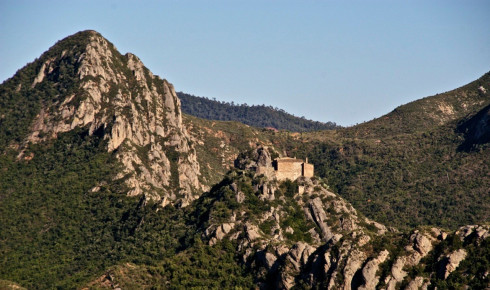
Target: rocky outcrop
370	269
138	113
343	249
353	264
337	232
319	216
477	128
451	262
259	157
479	232
419	246
418	283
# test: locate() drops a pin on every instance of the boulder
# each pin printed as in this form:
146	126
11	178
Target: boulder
370	269
451	262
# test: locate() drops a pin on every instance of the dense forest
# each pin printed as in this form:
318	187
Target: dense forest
58	233
255	115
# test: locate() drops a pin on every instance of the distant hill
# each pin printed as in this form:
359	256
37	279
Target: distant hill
255	115
426	162
429	112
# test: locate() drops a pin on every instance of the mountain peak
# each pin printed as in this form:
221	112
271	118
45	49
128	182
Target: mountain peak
84	82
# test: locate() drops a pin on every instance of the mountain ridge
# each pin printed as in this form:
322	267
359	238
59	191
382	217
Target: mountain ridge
255	115
428	112
103	184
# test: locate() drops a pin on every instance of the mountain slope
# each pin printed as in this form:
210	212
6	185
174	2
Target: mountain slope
416	165
83	81
257	116
313	239
101	179
430	112
422	173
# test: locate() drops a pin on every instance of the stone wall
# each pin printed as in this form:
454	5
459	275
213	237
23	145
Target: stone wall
308	170
288	168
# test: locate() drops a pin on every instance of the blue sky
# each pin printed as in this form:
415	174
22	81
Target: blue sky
341	61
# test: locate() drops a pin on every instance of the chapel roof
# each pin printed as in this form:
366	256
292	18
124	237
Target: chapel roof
289	159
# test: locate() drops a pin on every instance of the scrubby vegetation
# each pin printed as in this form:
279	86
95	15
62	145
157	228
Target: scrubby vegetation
64	220
409	180
414	166
21	101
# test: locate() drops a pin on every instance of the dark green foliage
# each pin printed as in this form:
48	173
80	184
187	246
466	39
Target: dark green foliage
257	116
289	188
207	267
266	226
409	180
173	157
473	271
56	232
295	219
216	206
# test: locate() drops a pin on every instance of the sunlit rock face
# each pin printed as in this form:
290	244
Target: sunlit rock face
138	113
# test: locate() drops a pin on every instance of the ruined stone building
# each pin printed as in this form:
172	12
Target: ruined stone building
287	168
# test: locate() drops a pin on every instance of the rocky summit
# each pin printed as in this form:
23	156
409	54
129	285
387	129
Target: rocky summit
105	184
137	112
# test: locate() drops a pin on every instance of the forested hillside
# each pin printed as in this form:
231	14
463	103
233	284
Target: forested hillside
255	115
104	183
427	162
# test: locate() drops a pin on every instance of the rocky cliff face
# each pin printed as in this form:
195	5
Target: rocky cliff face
137	112
297	234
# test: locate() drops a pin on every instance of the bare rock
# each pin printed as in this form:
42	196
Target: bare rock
363	240
439	234
329	261
370	269
267	259
419	246
255	159
143	139
252	232
397	272
451	262
320	217
418	283
222	230
481	232
421	243
354	262
299	254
